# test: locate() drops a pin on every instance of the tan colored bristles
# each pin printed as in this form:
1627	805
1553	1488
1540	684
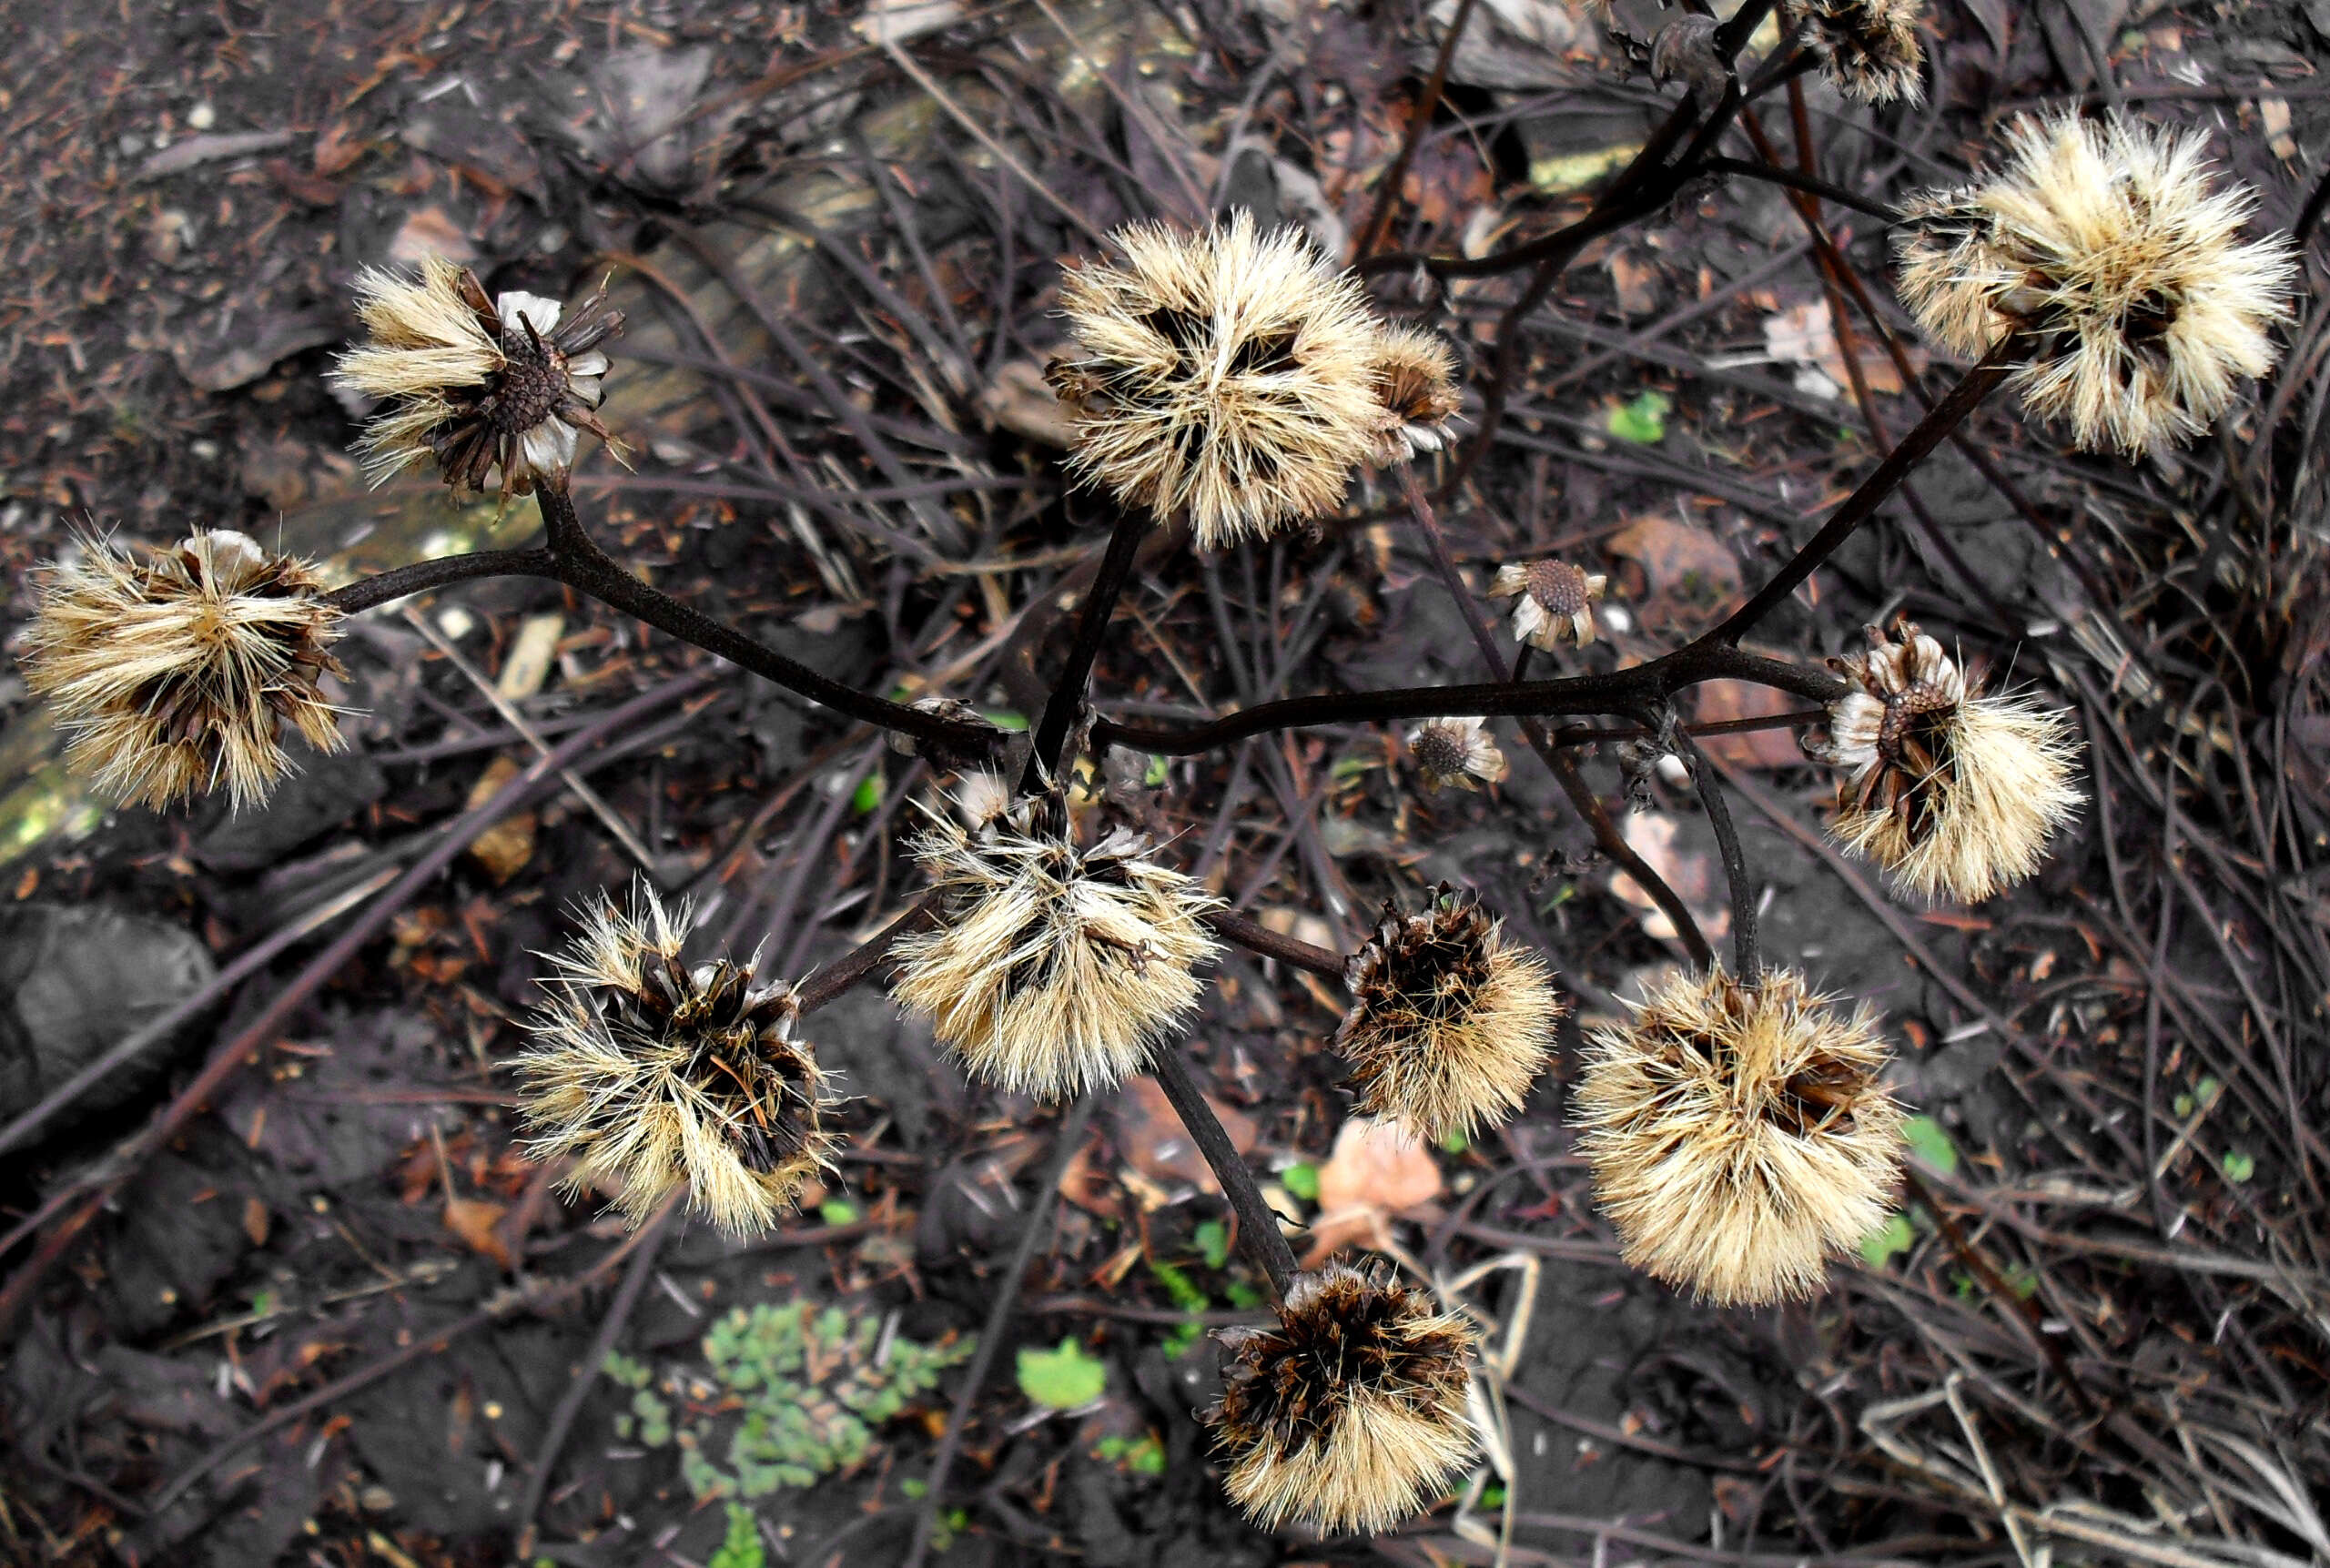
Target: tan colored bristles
1738	1135
1869	48
175	675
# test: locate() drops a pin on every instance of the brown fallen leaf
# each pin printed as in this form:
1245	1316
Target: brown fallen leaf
1688	575
1021	400
1721	701
1694	877
1636	283
1158	1146
1378	1171
504	848
474	1221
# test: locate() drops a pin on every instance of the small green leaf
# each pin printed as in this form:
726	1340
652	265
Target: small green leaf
868	795
2022	1282
914	1489
2182	1105
1177	1341
1146	1457
1064	1379
1180	1286
743	1547
1302	1180
2239	1167
1878	1246
1003	718
1242	1296
1156	773
1644	420
837	1211
1212	1238
1492	1496
1454	1143
1931	1144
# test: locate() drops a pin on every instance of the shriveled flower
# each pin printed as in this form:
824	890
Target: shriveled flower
1050	968
487	388
1415	394
1551	598
651	1074
1452	1021
1228	375
1953	791
1350	1414
1869	48
1738	1136
176	674
1456	752
2113	247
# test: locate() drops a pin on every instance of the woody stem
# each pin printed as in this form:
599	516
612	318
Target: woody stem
1745	957
1258	1232
1091	626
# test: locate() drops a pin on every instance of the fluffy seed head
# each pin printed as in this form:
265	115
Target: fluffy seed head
1052	969
1868	48
1349	1415
1456	752
1451	1021
2120	253
1952	790
1415	389
1738	1136
484	387
1550	597
651	1074
1227	374
174	674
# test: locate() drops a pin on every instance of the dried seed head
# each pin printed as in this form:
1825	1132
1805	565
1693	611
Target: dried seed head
1349	1415
1050	968
1456	752
489	390
1415	392
651	1076
1452	1022
176	674
1953	791
1551	598
1738	1135
1224	374
2115	248
1869	48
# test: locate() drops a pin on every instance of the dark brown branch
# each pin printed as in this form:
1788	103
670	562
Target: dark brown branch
1261	940
1091	628
1258	1232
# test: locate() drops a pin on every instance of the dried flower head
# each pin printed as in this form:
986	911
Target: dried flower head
1452	1021
1050	968
1950	790
481	386
2113	247
1456	752
1226	374
1552	597
651	1074
1415	392
1349	1415
1868	48
1738	1135
174	674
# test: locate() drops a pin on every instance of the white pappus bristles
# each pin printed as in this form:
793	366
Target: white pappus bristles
1738	1135
1415	394
650	1074
1228	375
1452	1020
2119	253
1869	48
1456	753
1050	968
493	390
174	674
1351	1414
1952	790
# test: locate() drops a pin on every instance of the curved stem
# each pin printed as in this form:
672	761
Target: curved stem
1091	626
1772	174
1745	958
1263	942
1258	1232
422	576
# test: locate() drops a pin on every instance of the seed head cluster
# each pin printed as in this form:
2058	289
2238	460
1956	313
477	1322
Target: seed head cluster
2119	255
1451	1022
1456	753
1551	599
1050	968
176	674
1738	1135
1239	378
1954	792
651	1074
1869	48
1349	1415
490	389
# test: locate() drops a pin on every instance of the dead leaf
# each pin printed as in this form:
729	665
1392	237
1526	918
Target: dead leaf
1379	1170
1688	574
896	20
474	1221
528	660
430	232
504	848
1695	878
1805	335
1021	400
1721	701
1636	283
1156	1145
255	1222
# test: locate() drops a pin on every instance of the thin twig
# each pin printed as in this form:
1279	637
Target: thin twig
1745	960
1258	1231
1380	215
1091	628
